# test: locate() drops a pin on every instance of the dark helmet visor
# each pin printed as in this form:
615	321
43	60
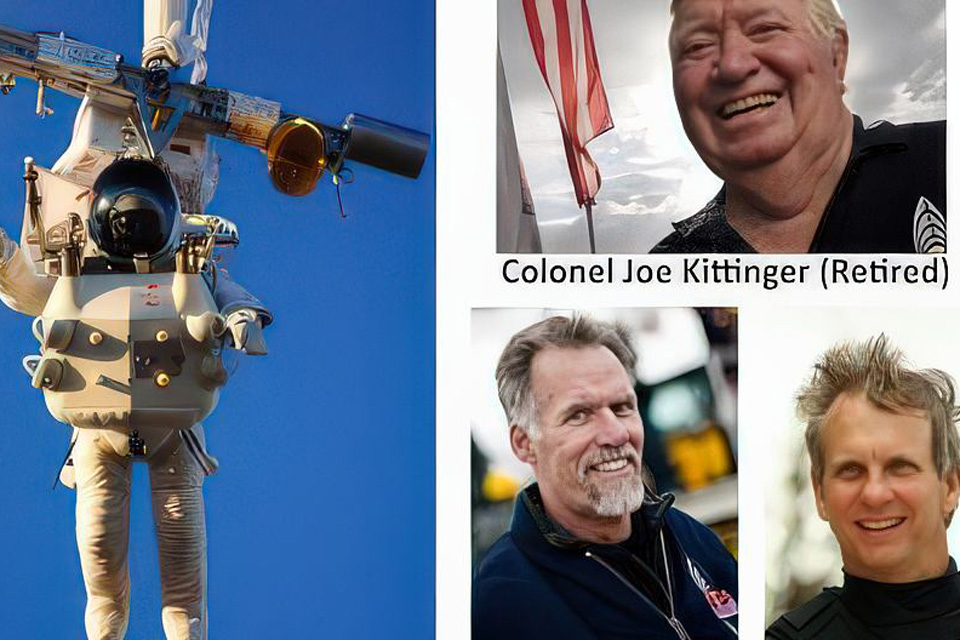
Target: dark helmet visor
135	210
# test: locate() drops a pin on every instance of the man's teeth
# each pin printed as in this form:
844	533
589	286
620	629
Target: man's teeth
611	465
881	524
746	104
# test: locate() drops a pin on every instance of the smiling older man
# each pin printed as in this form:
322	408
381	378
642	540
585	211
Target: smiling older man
590	553
759	85
885	457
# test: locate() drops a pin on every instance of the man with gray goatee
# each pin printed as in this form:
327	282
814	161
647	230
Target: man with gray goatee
591	553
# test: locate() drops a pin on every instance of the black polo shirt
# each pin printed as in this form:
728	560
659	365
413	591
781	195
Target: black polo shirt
891	199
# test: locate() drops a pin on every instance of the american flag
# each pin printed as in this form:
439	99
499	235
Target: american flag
562	41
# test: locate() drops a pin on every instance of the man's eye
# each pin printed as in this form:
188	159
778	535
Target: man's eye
848	471
695	49
577	417
765	29
903	468
625	409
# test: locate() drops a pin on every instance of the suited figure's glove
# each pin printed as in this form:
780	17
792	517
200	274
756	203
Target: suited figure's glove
246	330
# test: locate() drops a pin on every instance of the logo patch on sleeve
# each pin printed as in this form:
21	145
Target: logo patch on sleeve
722	603
929	228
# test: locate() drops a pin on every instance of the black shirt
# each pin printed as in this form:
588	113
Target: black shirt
863	609
890	199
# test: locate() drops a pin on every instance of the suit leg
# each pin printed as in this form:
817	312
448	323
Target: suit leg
103	525
176	485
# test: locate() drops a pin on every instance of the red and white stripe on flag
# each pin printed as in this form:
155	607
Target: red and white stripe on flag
562	41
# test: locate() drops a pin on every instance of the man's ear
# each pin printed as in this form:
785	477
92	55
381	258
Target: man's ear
522	445
841	51
818	495
951	481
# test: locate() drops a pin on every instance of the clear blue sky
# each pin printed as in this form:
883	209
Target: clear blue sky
321	519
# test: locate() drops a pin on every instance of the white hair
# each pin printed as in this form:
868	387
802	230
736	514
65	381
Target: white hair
825	16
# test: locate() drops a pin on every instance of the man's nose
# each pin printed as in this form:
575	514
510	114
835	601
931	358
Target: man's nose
876	491
737	61
612	429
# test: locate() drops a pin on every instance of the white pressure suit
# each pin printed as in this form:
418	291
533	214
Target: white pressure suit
100	467
103	473
99	464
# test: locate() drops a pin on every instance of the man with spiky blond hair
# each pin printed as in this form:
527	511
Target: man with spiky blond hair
760	87
885	468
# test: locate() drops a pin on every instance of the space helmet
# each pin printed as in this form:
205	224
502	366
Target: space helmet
135	211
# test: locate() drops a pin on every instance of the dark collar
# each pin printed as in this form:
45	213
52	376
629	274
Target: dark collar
879	604
879	138
648	519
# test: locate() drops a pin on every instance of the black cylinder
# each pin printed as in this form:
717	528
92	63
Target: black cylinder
385	146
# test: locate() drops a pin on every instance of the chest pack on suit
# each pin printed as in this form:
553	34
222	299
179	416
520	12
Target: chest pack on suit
131	336
138	357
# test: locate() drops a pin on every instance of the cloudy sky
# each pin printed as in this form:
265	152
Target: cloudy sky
651	174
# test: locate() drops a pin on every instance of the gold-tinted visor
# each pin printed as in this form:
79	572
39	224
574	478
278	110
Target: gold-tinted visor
296	156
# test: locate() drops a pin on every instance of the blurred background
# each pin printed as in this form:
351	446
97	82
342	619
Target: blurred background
802	556
687	390
651	174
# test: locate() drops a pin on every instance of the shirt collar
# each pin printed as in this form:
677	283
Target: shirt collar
648	518
885	604
879	138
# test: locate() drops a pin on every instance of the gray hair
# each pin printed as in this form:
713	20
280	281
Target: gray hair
825	16
881	372
516	361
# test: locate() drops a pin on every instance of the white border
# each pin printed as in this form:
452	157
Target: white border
466	200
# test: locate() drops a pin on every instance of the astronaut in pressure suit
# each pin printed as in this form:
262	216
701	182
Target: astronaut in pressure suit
131	358
132	316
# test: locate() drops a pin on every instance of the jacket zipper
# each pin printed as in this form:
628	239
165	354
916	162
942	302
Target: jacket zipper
666	569
671	619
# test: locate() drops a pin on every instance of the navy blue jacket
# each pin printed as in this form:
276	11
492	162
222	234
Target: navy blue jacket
538	581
